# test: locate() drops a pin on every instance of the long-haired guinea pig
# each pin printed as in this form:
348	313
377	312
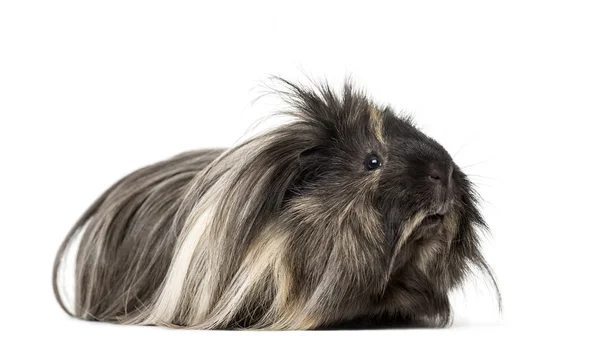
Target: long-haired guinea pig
346	215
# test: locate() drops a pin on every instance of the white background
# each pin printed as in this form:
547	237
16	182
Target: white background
90	91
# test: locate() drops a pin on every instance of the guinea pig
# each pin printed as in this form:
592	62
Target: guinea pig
346	215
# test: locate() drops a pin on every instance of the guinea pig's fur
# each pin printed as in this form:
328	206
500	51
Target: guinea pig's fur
346	215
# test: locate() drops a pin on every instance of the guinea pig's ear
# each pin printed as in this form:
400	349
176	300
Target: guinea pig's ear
309	165
309	153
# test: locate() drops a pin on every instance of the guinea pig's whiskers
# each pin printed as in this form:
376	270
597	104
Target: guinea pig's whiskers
459	150
480	176
474	164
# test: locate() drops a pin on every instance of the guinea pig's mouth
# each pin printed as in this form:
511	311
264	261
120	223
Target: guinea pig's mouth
432	220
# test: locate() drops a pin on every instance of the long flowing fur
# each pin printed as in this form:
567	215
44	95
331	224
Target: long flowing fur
286	230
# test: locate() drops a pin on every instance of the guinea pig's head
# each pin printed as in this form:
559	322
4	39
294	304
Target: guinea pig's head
380	220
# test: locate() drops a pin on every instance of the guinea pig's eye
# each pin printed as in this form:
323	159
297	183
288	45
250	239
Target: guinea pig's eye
372	162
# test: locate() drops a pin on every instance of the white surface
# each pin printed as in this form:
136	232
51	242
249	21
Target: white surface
89	92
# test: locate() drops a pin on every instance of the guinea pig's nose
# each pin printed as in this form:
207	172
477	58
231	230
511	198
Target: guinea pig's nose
440	173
